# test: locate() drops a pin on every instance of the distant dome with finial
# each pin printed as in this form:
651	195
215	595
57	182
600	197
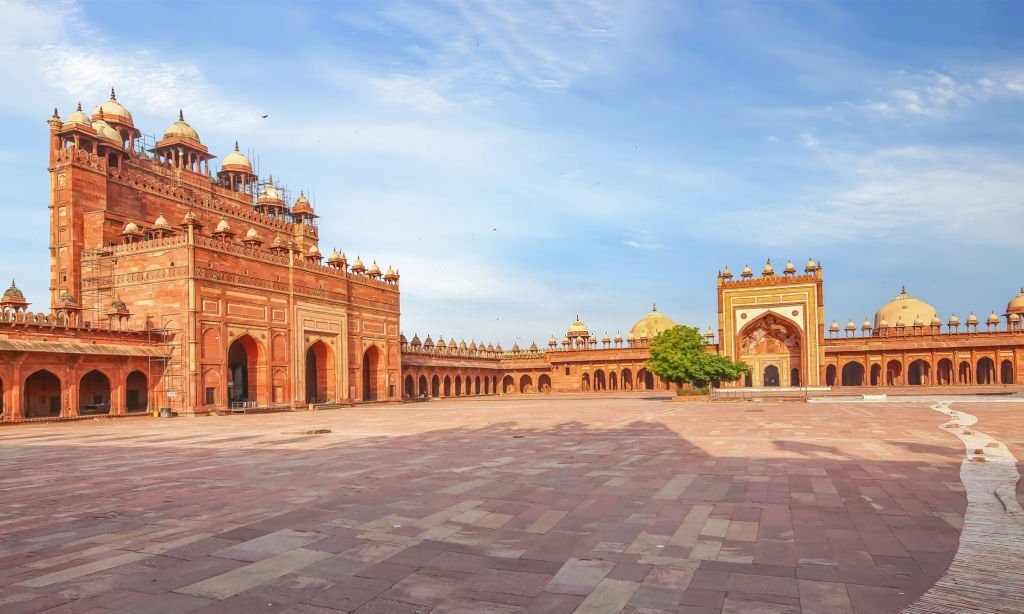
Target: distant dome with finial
953	320
726	273
334	257
314	250
652	324
161	222
746	273
374	269
1016	304
993	318
866	325
252	234
936	321
13	293
515	347
358	266
270	193
850	326
112	108
441	343
631	337
904	307
565	341
606	338
190	217
131	228
118	305
1013	317
834	327
552	342
768	269
578	328
181	129
618	337
790	268
78	117
223	226
416	341
811	266
972	319
390	274
429	342
236	160
302	204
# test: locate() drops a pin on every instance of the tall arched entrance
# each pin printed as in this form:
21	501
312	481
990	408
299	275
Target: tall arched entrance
599	381
1006	372
435	386
919	373
525	384
423	386
42	395
94	393
319	373
627	379
771	341
371	373
853	374
243	370
508	384
544	383
986	371
136	392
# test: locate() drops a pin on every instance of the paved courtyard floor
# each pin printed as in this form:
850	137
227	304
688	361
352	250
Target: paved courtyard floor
533	504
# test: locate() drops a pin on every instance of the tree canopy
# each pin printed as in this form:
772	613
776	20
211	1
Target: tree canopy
681	355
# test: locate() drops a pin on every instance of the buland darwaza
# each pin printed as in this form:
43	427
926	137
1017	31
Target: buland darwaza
174	284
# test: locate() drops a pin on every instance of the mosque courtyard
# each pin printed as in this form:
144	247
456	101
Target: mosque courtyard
589	503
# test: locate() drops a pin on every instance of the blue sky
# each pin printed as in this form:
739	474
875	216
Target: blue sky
523	162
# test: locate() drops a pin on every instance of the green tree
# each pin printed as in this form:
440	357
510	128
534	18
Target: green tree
680	355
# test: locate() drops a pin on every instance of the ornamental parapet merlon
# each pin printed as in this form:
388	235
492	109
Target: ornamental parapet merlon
772	280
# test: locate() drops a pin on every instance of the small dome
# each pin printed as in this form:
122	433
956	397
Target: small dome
515	347
1016	304
180	129
402	339
118	305
652	324
710	334
314	250
112	107
490	348
953	320
429	342
834	327
358	265
236	160
993	318
13	293
726	273
270	193
390	273
107	133
441	343
936	321
223	226
810	267
905	307
190	217
66	298
161	222
866	324
131	228
374	269
790	268
552	342
768	270
851	326
746	272
618	337
78	117
972	319
252	234
302	204
497	348
462	345
416	341
533	347
565	341
918	322
1014	317
606	338
631	337
277	242
578	326
472	345
882	324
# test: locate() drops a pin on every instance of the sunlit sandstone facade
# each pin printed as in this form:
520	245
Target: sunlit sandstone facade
172	285
775	322
219	276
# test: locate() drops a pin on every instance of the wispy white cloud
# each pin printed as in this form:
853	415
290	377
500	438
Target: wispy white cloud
935	94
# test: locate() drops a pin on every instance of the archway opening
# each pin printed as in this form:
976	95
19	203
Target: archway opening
319	373
447	385
986	372
508	384
243	370
894	373
435	386
136	392
94	394
476	385
830	375
613	380
627	379
487	385
525	384
544	383
918	373
371	373
964	373
770	340
599	381
585	382
794	377
944	372
853	374
1006	372
771	376
876	373
458	385
42	395
644	379
410	387
424	390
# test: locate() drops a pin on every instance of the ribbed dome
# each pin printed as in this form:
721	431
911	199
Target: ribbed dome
161	222
429	342
119	305
13	293
515	347
106	132
181	129
906	308
1016	304
223	226
112	107
236	160
652	324
131	228
441	343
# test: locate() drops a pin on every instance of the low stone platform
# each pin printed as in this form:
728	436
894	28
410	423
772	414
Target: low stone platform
599	504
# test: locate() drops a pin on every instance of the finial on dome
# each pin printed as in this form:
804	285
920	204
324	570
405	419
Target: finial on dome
181	116
79	108
236	145
113	95
55	114
654	306
903	290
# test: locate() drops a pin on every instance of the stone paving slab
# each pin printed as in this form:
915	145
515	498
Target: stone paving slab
532	504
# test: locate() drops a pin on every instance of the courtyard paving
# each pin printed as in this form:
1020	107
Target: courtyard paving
533	504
